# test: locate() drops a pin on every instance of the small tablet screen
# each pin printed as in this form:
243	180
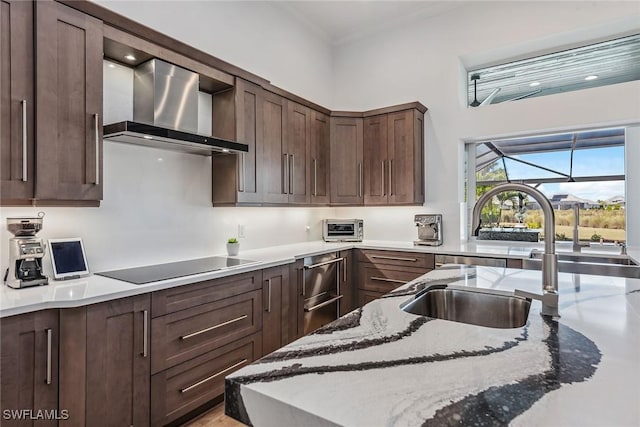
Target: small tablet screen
68	257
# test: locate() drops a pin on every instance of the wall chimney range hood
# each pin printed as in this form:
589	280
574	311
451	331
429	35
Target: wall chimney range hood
165	113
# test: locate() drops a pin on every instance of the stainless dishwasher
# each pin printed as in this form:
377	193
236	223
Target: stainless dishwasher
321	290
470	260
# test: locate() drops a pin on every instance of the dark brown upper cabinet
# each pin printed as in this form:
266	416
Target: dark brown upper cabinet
298	146
319	165
51	104
346	161
16	101
235	117
393	158
68	82
274	163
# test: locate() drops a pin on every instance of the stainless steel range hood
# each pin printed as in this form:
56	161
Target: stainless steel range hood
165	113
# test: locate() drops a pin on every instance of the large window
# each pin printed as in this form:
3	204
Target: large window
580	170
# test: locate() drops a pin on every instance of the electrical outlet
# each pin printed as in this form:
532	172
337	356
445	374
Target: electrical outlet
241	231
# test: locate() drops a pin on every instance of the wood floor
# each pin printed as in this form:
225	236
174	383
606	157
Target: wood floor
214	418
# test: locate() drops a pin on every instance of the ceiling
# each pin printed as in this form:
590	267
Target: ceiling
339	22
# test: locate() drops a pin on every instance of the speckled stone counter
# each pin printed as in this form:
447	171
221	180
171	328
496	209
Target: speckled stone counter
382	366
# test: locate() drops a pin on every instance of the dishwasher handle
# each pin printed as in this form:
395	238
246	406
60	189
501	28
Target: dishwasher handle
320	264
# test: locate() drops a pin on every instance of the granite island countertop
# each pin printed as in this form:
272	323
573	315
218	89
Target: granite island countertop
379	365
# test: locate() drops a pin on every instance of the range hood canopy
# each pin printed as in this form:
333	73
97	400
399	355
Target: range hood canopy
159	137
165	112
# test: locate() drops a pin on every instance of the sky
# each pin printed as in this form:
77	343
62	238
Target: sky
590	162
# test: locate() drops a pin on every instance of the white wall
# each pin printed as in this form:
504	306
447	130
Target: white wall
632	156
253	35
426	60
157	207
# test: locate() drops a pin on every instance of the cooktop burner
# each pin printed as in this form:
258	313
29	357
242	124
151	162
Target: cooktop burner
173	270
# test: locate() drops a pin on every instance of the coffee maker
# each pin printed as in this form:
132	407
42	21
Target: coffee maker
429	229
25	253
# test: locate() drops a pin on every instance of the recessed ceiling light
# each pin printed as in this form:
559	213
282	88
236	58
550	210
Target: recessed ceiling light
148	137
534	84
225	150
591	77
130	57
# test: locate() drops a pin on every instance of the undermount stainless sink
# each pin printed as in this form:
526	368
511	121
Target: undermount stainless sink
597	264
476	307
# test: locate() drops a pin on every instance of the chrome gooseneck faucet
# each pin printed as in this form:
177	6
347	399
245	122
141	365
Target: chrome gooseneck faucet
549	295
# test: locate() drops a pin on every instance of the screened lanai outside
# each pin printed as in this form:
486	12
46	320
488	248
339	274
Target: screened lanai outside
583	169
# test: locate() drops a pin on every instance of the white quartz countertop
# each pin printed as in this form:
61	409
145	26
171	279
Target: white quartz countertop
94	288
379	365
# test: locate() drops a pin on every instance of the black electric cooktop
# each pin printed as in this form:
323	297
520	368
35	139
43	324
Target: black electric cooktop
173	270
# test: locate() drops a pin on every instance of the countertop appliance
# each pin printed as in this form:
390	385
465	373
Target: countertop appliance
429	229
25	253
321	290
173	270
342	230
165	112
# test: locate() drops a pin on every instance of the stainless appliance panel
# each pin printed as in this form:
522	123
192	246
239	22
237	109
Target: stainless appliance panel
342	230
166	95
429	229
321	290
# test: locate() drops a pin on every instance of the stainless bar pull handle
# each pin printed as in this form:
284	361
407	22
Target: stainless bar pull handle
394	258
322	304
269	296
224	371
390	179
344	269
96	122
304	282
292	173
384	279
382	180
285	174
49	344
320	264
145	333
24	140
241	173
360	177
211	328
315	177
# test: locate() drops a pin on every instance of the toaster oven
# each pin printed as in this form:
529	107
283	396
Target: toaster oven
342	230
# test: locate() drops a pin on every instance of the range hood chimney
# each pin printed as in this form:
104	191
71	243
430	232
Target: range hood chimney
165	112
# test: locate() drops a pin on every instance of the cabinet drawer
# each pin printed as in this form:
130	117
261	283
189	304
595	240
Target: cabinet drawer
185	387
377	279
407	259
183	297
183	335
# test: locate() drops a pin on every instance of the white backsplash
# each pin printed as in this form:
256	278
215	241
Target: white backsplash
157	208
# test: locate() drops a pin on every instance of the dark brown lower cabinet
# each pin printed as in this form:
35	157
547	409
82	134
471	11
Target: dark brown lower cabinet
188	386
118	362
29	364
347	282
296	276
277	325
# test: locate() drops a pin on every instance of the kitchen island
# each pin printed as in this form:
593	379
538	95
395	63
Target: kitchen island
379	365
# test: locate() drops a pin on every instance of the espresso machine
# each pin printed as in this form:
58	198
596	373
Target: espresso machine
25	253
429	229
